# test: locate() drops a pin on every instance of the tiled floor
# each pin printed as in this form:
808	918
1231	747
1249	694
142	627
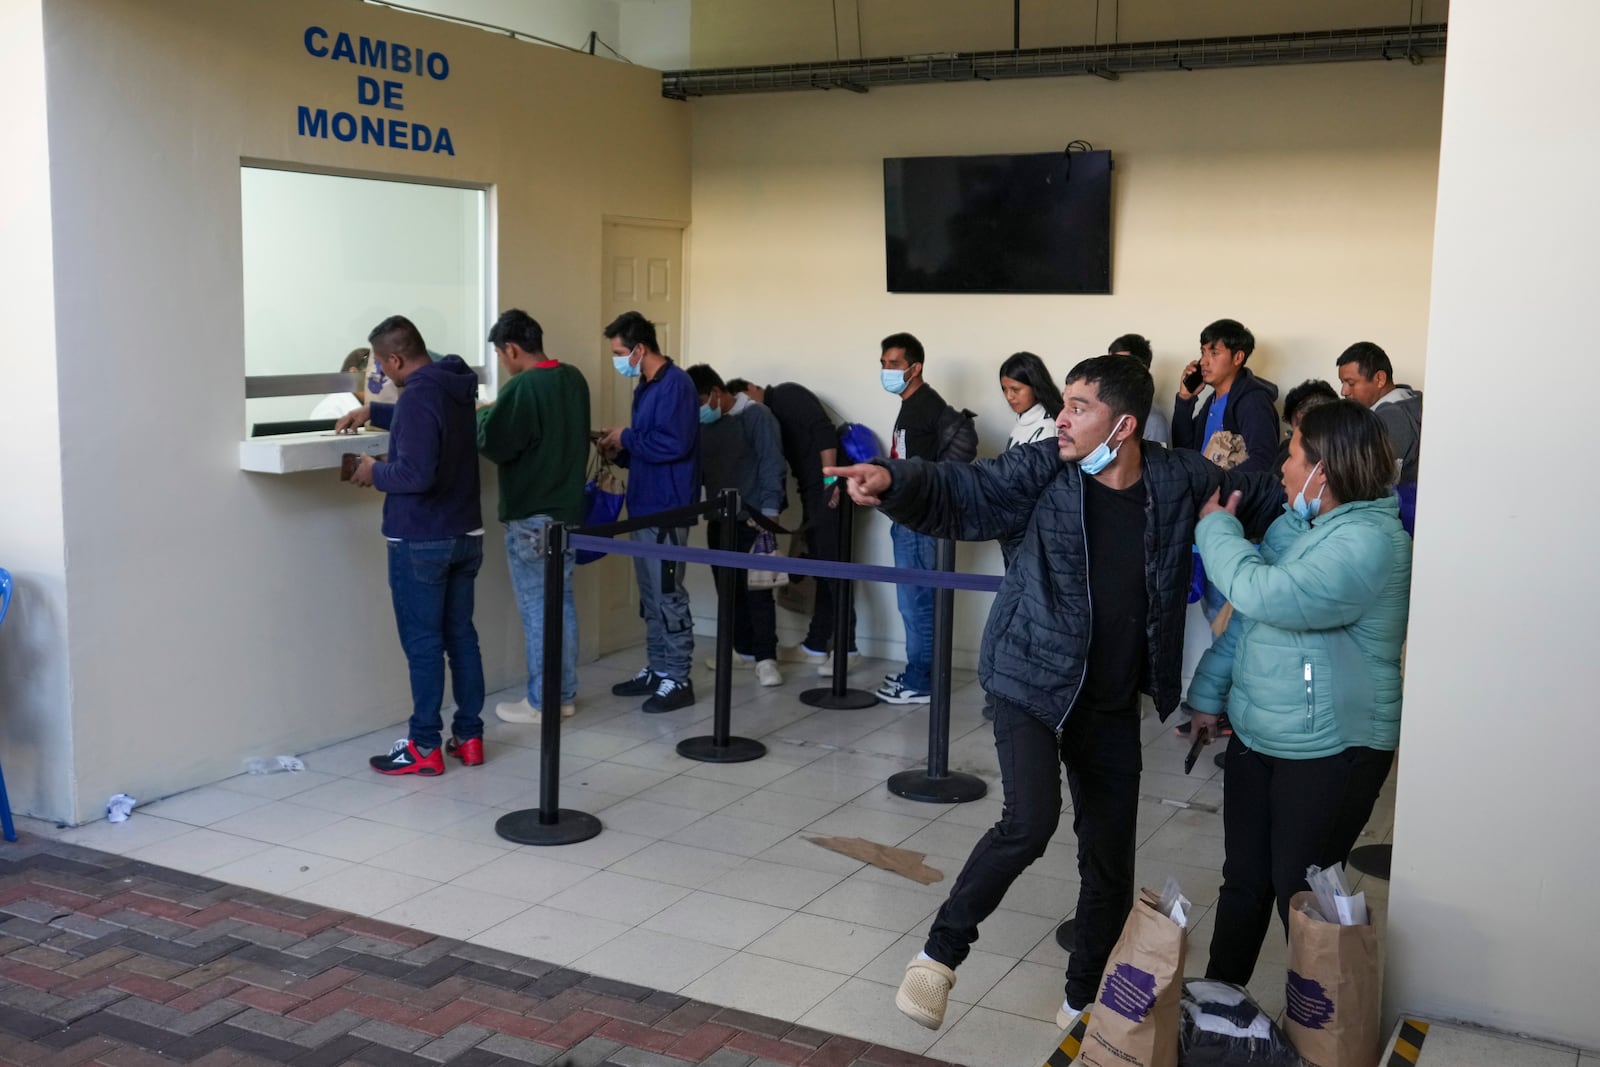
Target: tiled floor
1455	1046
703	883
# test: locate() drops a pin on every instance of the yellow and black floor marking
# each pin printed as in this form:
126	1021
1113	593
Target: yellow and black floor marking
1408	1043
1070	1044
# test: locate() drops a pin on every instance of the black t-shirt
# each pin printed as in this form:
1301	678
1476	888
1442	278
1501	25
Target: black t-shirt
1114	521
916	430
807	431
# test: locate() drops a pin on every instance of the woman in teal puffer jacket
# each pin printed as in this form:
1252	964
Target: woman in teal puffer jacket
1315	676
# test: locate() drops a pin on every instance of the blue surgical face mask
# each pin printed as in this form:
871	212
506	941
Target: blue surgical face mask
1307	509
1101	457
709	414
894	381
625	365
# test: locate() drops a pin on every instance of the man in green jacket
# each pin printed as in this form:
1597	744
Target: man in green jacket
537	434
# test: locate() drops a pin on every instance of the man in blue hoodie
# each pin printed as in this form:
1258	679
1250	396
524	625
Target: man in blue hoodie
434	526
661	451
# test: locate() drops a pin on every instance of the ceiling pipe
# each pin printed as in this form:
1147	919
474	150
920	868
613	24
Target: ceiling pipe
1413	43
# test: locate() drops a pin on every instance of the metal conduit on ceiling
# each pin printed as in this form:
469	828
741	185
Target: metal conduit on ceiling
1413	43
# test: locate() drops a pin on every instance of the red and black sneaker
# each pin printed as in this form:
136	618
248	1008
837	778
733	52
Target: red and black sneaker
404	758
469	752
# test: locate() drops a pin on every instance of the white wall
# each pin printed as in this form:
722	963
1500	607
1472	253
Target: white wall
1497	851
567	22
1298	200
35	728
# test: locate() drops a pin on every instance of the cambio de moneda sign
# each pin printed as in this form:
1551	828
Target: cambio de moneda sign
374	127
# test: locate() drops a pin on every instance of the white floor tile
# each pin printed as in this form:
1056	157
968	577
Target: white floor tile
277	786
491	790
593	744
351	796
122	838
544	933
647	818
199	850
865	1011
618	897
777	884
278	869
602	851
943	838
885	907
453	911
781	809
618	778
1008	933
204	806
280	822
425	813
655	756
653	959
824	785
764	986
701	794
532	876
829	944
1032	990
753	773
682	865
362	890
362	840
1460	1047
853	820
796	851
979	814
724	921
742	837
996	1039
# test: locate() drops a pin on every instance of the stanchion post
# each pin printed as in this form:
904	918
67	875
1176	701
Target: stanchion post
550	823
936	784
839	695
721	746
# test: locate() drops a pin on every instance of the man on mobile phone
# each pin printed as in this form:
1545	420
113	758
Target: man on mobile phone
1239	402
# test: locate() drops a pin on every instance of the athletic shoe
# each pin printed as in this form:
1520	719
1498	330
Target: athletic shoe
469	752
767	673
826	668
523	712
741	662
670	696
924	992
897	692
640	685
1067	1016
404	758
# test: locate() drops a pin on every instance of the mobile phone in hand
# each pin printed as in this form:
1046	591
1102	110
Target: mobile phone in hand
1193	382
348	464
1194	750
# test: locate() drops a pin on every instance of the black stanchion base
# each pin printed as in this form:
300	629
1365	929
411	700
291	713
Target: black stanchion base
524	827
852	699
1064	933
1375	860
953	788
706	750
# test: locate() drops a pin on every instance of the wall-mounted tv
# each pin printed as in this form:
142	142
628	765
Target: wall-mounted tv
999	224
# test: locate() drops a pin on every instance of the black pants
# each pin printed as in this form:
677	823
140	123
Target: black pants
755	613
1102	755
822	542
1280	816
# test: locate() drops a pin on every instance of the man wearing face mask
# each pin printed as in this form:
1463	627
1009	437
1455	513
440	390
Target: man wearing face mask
1089	615
928	429
661	452
741	448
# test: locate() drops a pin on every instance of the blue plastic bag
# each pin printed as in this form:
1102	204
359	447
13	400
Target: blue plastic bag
602	503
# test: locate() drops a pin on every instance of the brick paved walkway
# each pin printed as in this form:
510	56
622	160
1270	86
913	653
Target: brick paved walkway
113	961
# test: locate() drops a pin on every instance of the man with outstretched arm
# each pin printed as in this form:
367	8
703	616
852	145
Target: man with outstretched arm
1089	616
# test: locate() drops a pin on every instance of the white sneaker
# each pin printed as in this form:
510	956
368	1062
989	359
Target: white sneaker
767	673
1067	1016
741	662
826	669
519	712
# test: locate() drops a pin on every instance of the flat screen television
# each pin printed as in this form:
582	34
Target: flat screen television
998	224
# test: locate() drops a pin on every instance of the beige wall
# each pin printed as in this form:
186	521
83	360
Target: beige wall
740	32
1496	848
35	729
226	614
1299	200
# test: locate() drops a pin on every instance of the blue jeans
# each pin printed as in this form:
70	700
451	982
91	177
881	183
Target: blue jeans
527	581
664	606
431	583
914	550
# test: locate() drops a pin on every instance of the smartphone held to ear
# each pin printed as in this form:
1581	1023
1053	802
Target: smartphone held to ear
1193	382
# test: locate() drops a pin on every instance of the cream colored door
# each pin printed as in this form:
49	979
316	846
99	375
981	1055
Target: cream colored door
642	270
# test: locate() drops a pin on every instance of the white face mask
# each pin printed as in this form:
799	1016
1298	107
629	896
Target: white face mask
1101	457
1307	509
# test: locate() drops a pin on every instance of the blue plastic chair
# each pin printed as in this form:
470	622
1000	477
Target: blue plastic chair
5	800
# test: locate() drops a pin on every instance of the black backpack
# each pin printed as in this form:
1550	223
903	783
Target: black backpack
957	435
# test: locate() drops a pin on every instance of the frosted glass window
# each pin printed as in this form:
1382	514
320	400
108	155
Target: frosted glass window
327	258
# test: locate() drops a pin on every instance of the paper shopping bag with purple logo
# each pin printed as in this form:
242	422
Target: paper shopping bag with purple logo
1136	1019
1332	999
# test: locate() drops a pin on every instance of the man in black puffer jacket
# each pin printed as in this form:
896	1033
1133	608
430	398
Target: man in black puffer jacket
1089	615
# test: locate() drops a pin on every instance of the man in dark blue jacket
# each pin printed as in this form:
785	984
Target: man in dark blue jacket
1088	616
1239	402
434	525
661	451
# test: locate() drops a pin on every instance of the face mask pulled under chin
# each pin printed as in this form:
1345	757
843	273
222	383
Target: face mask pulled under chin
1101	457
1308	509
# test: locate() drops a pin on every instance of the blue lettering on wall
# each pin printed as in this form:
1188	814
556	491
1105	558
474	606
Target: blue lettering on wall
375	54
313	125
312	33
368	129
344	126
367	92
391	96
342	48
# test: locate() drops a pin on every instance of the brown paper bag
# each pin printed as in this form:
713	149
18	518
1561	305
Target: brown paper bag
1333	1012
1135	1021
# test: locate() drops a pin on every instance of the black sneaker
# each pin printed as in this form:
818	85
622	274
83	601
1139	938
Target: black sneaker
670	696
642	684
1224	728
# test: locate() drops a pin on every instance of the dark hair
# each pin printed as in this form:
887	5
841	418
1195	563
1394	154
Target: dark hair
356	360
1029	369
635	330
1134	345
705	379
913	347
397	336
1305	396
1369	360
1124	386
737	385
1232	335
517	327
1353	448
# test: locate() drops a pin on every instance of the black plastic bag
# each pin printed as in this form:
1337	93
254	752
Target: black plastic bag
1223	1027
